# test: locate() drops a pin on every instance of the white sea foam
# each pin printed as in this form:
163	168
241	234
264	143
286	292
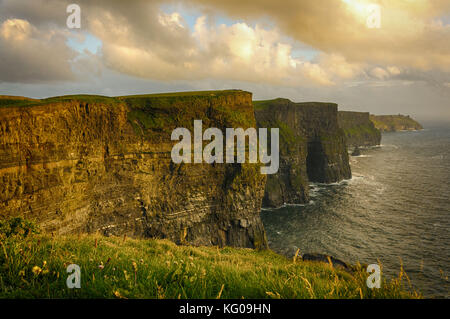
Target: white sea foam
323	185
286	205
389	145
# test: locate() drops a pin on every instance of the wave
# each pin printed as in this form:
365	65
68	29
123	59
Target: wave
343	182
362	156
286	205
389	145
364	147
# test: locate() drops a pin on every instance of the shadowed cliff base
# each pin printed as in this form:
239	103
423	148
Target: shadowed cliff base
312	148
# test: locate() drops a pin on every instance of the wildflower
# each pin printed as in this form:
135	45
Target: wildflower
22	273
101	266
134	266
119	295
44	264
36	270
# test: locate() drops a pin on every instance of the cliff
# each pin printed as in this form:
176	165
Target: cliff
312	148
393	123
87	164
359	129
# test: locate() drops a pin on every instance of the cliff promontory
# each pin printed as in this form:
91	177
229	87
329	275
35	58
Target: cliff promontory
394	123
359	129
87	164
312	148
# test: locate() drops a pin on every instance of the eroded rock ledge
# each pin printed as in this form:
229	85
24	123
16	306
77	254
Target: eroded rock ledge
98	164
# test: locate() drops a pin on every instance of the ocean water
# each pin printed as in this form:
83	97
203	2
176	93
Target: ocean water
395	209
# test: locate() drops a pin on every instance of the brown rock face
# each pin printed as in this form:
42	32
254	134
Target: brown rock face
359	129
312	148
94	164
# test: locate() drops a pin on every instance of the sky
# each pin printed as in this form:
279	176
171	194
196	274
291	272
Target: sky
380	56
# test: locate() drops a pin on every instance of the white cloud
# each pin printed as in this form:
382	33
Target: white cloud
32	55
230	52
379	73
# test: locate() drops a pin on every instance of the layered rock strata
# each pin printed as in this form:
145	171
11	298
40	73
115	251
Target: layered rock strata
359	129
312	148
90	164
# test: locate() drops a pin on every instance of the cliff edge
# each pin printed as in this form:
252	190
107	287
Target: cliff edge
359	129
87	164
394	123
312	148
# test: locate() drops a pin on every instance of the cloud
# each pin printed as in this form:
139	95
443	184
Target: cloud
412	32
31	55
235	52
144	41
379	73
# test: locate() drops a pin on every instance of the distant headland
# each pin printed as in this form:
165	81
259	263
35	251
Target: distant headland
394	123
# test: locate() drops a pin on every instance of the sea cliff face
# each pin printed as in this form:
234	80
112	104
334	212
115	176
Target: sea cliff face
359	129
96	164
394	123
312	148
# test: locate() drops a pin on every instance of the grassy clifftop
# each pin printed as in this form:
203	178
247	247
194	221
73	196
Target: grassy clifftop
393	123
117	267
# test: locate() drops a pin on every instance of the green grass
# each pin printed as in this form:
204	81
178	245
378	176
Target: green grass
394	122
179	94
34	266
360	131
161	112
164	112
264	104
18	101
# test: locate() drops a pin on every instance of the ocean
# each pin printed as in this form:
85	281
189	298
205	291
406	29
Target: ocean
395	209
